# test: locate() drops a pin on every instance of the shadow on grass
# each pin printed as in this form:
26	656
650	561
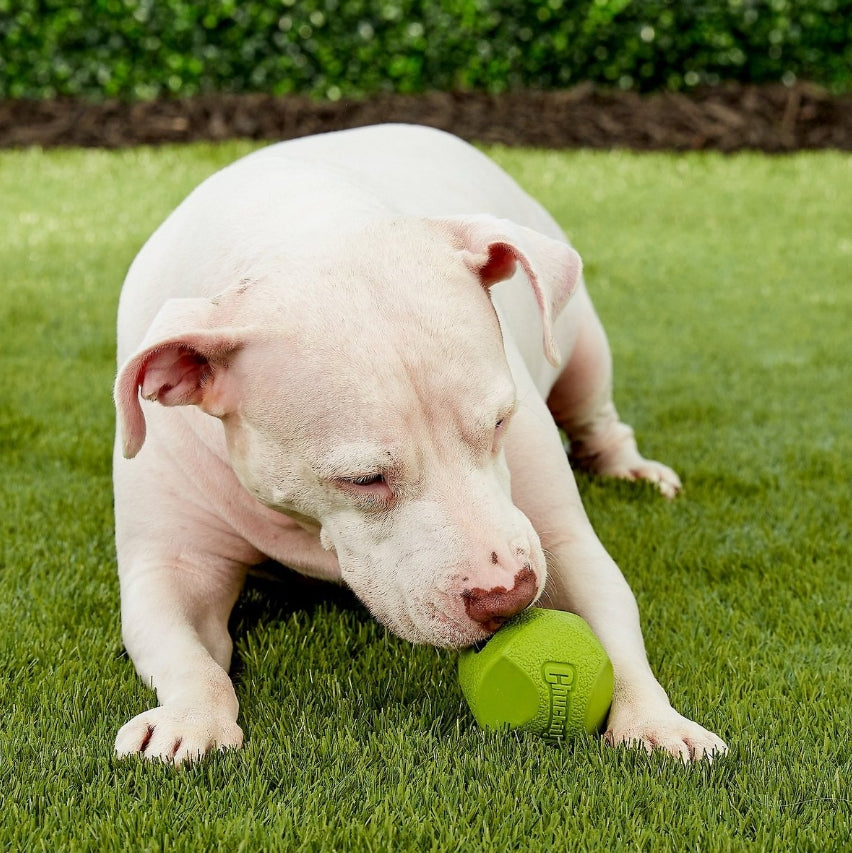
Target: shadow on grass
338	663
287	590
273	593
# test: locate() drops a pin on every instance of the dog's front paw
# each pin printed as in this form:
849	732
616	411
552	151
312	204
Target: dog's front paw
618	456
632	466
177	735
666	480
666	730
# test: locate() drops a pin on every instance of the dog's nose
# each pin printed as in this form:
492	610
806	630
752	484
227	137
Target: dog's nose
492	607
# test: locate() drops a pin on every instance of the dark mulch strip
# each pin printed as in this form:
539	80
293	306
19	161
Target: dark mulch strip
770	118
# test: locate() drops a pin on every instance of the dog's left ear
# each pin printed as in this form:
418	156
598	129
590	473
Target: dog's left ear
493	248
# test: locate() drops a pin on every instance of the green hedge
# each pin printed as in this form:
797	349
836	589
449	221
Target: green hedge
335	48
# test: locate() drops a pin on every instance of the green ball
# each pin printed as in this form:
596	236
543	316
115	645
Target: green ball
544	672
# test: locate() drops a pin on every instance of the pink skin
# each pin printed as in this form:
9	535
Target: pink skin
325	383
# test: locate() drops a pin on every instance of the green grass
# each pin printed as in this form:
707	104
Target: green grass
724	284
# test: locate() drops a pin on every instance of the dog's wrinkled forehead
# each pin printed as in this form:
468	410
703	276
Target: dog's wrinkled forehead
374	335
394	295
423	357
404	273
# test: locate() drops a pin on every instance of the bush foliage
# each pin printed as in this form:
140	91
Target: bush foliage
334	48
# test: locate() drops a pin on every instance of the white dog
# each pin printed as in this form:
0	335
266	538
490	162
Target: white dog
353	352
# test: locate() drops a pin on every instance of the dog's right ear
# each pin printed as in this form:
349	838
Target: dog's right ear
183	361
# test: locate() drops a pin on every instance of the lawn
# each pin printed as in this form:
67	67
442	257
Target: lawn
724	283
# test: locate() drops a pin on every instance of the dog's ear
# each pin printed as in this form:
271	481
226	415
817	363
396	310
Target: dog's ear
494	247
182	361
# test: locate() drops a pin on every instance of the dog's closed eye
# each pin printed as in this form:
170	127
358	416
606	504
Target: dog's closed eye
500	430
366	480
370	490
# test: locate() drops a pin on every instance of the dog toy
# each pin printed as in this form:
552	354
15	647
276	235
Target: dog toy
544	671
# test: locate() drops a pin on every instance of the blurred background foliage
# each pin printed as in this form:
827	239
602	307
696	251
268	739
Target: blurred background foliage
140	49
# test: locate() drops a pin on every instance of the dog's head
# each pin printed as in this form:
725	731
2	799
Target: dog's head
368	389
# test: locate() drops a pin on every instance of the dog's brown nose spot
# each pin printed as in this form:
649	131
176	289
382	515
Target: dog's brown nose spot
492	607
494	558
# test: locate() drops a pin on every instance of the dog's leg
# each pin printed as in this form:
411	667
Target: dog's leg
585	580
581	403
174	615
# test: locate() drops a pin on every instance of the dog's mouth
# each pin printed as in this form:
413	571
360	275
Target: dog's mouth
428	624
436	627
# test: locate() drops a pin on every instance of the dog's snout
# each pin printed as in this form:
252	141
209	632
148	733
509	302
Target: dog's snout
492	607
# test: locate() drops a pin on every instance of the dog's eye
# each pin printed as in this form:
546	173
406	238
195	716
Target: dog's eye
367	480
370	490
499	432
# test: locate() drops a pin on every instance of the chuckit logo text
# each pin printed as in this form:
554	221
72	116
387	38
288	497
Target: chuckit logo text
560	679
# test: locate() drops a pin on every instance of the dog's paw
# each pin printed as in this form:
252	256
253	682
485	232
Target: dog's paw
666	480
666	730
611	451
626	463
177	735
